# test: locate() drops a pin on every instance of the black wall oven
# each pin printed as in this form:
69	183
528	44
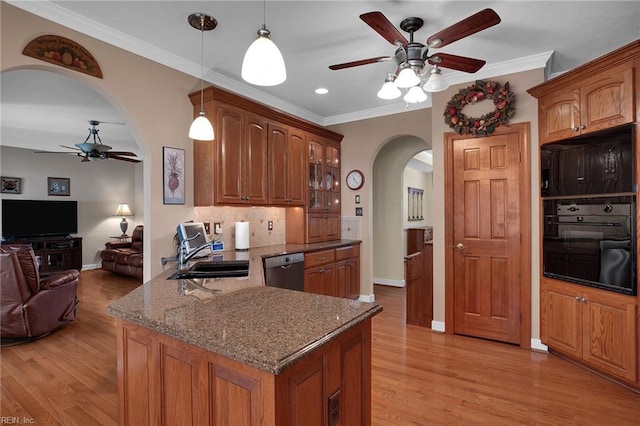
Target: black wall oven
591	241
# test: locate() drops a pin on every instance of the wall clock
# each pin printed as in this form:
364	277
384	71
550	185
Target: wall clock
355	179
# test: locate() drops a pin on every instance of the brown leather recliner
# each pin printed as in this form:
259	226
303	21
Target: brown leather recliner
125	257
33	306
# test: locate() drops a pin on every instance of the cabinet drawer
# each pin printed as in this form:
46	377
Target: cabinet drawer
348	252
318	258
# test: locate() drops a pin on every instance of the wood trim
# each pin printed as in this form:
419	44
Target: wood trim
523	130
216	93
625	53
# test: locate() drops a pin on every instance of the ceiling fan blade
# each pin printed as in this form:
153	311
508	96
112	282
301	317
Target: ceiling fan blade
382	26
54	152
75	148
482	20
454	62
360	62
130	154
117	157
85	158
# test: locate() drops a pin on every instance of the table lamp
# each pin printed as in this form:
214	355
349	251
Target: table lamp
123	210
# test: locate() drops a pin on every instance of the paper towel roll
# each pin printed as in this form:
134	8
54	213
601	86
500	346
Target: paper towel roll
242	235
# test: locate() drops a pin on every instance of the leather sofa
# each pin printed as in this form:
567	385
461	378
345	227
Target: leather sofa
124	257
33	306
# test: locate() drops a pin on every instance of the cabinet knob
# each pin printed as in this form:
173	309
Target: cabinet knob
583	300
575	129
582	127
577	298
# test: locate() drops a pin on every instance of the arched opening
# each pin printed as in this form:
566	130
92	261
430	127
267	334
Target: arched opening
390	207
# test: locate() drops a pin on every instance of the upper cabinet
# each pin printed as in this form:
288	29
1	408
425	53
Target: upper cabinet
585	100
324	175
286	147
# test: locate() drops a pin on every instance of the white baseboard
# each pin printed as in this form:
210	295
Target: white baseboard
437	326
90	266
370	298
537	345
392	283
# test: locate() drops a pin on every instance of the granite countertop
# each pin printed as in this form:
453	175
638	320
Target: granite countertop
240	318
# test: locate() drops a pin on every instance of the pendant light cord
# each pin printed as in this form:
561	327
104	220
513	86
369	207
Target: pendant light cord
202	63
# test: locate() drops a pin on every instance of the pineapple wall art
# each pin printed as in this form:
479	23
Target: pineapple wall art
173	172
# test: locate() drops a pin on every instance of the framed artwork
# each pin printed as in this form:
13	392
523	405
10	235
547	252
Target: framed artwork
173	175
415	201
11	185
58	186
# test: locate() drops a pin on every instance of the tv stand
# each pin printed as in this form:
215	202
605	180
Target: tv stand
54	253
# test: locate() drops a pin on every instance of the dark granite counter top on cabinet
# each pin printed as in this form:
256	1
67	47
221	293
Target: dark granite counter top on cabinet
240	318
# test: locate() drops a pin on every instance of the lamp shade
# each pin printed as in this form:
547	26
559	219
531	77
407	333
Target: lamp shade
201	128
389	91
436	82
263	64
415	95
407	78
123	210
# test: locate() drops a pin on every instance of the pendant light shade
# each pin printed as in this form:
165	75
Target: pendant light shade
263	64
436	82
201	128
415	95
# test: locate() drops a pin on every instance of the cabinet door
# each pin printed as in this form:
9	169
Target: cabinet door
559	115
561	319
316	227
332	226
278	164
610	333
343	278
296	162
254	172
332	177
607	100
320	280
229	154
353	291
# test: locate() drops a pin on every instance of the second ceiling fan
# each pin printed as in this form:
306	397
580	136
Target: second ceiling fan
412	57
92	148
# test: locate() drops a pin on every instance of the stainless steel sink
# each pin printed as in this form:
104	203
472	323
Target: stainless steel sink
213	269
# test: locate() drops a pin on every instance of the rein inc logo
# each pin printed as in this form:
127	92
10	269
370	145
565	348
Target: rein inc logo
5	420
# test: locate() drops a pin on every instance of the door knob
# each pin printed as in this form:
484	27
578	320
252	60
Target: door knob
460	246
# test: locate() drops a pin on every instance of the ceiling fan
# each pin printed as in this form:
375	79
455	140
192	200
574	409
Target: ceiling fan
414	56
92	148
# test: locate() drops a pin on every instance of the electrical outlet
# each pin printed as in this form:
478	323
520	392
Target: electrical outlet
207	227
217	228
270	225
333	408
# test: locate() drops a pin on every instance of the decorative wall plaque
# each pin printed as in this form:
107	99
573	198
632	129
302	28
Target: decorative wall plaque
64	52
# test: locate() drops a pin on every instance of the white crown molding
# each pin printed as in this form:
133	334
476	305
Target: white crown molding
62	16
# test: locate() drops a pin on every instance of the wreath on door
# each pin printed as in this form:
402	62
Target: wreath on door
503	99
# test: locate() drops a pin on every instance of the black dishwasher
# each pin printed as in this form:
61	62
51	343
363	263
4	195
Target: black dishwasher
284	271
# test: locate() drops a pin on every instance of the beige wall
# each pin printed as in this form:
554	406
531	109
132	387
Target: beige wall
151	97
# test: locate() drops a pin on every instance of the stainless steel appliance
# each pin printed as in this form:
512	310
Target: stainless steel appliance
591	241
285	271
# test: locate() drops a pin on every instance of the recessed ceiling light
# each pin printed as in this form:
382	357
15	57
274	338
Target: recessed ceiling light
322	91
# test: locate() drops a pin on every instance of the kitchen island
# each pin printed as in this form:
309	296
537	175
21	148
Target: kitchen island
232	351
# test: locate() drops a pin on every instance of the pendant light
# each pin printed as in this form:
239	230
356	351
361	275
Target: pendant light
263	64
201	128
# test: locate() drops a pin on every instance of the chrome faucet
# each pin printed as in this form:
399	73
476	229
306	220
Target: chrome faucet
183	258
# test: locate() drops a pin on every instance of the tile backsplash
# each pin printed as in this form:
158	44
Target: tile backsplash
258	218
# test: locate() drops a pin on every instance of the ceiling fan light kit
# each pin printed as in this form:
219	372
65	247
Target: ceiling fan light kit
413	58
263	64
389	90
201	128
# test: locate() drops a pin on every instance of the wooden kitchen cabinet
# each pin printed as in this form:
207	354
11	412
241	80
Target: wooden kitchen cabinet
333	272
322	227
324	175
591	325
600	102
165	381
287	161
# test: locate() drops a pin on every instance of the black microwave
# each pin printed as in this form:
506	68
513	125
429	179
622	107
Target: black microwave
599	163
591	241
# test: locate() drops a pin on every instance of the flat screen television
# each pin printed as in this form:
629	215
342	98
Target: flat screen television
38	218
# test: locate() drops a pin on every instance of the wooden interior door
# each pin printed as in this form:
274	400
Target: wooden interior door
487	195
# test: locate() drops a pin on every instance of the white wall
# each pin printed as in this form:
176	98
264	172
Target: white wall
98	186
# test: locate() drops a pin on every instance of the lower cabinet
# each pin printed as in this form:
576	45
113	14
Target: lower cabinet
594	326
334	272
418	277
165	381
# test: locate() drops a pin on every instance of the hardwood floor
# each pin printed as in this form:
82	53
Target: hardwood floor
419	377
